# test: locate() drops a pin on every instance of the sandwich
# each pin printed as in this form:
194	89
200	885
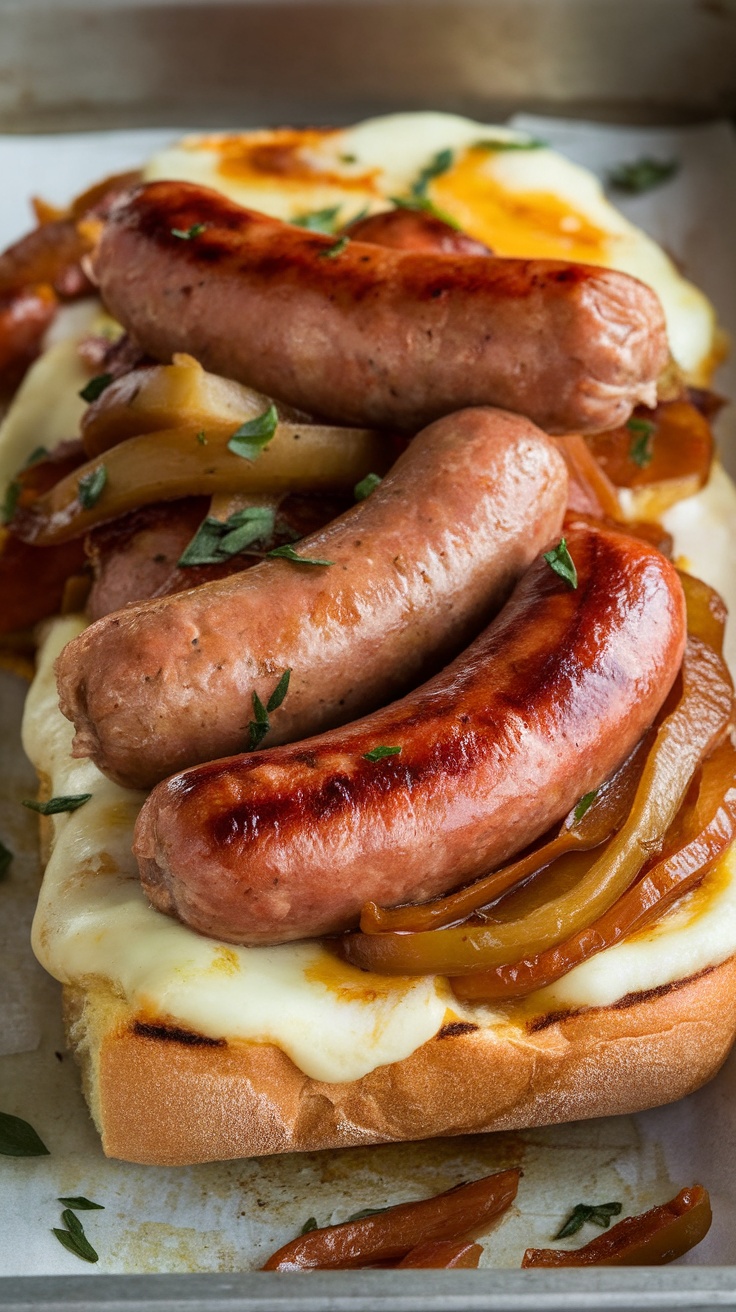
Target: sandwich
381	718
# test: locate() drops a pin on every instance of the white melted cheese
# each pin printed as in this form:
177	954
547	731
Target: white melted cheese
93	921
521	202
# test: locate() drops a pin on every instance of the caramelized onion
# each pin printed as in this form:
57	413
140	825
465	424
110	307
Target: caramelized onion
653	1238
390	1234
171	464
706	828
659	467
683	741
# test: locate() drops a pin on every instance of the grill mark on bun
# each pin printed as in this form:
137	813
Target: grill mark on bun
455	1027
172	1034
628	1000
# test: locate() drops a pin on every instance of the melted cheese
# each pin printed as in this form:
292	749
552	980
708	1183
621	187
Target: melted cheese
93	922
520	202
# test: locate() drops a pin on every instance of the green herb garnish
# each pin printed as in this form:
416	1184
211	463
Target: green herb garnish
201	437
425	206
260	724
217	540
378	753
439	164
348	159
287	552
6	858
19	1139
186	234
324	221
95	387
38	453
57	805
249	440
335	249
642	442
81	1204
584	805
495	143
12	496
596	1214
365	1212
366	485
90	487
309	1224
560	560
74	1238
642	174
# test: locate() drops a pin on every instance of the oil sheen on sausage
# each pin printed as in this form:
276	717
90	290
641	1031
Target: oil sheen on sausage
418	568
361	334
547	702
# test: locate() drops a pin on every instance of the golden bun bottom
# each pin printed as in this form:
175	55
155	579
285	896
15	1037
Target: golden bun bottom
162	1096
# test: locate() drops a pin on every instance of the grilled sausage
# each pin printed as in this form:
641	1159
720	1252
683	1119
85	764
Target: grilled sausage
550	699
414	230
417	568
365	335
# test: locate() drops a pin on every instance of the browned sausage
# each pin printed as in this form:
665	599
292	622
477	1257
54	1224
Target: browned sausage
548	701
362	334
414	230
417	567
136	557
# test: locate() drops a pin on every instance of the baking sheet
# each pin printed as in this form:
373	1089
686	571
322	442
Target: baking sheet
225	1217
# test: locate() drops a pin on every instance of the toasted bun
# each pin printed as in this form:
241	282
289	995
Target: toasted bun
167	1097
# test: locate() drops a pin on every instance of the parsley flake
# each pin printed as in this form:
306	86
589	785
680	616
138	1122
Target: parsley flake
425	206
249	440
596	1214
260	724
57	805
439	164
366	485
90	487
186	234
560	560
38	453
366	1212
498	143
80	1204
337	247
309	1224
10	503
287	552
324	221
74	1238
584	805
95	387
642	441
201	437
643	174
217	540
378	753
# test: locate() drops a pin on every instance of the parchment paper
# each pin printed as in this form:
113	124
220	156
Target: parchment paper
226	1217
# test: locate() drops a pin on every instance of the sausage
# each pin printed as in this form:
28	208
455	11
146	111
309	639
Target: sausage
136	557
549	700
417	567
414	230
364	335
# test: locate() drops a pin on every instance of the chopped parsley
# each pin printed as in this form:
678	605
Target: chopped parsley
337	247
95	387
252	436
642	441
560	560
588	1213
91	486
217	540
378	754
366	485
186	234
287	552
642	175
57	805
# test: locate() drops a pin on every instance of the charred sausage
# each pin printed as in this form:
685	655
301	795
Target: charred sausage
416	569
361	334
547	702
414	230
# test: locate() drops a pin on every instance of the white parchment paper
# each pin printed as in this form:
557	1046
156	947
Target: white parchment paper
225	1217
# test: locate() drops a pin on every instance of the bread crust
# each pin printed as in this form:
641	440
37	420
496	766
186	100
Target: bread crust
165	1097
